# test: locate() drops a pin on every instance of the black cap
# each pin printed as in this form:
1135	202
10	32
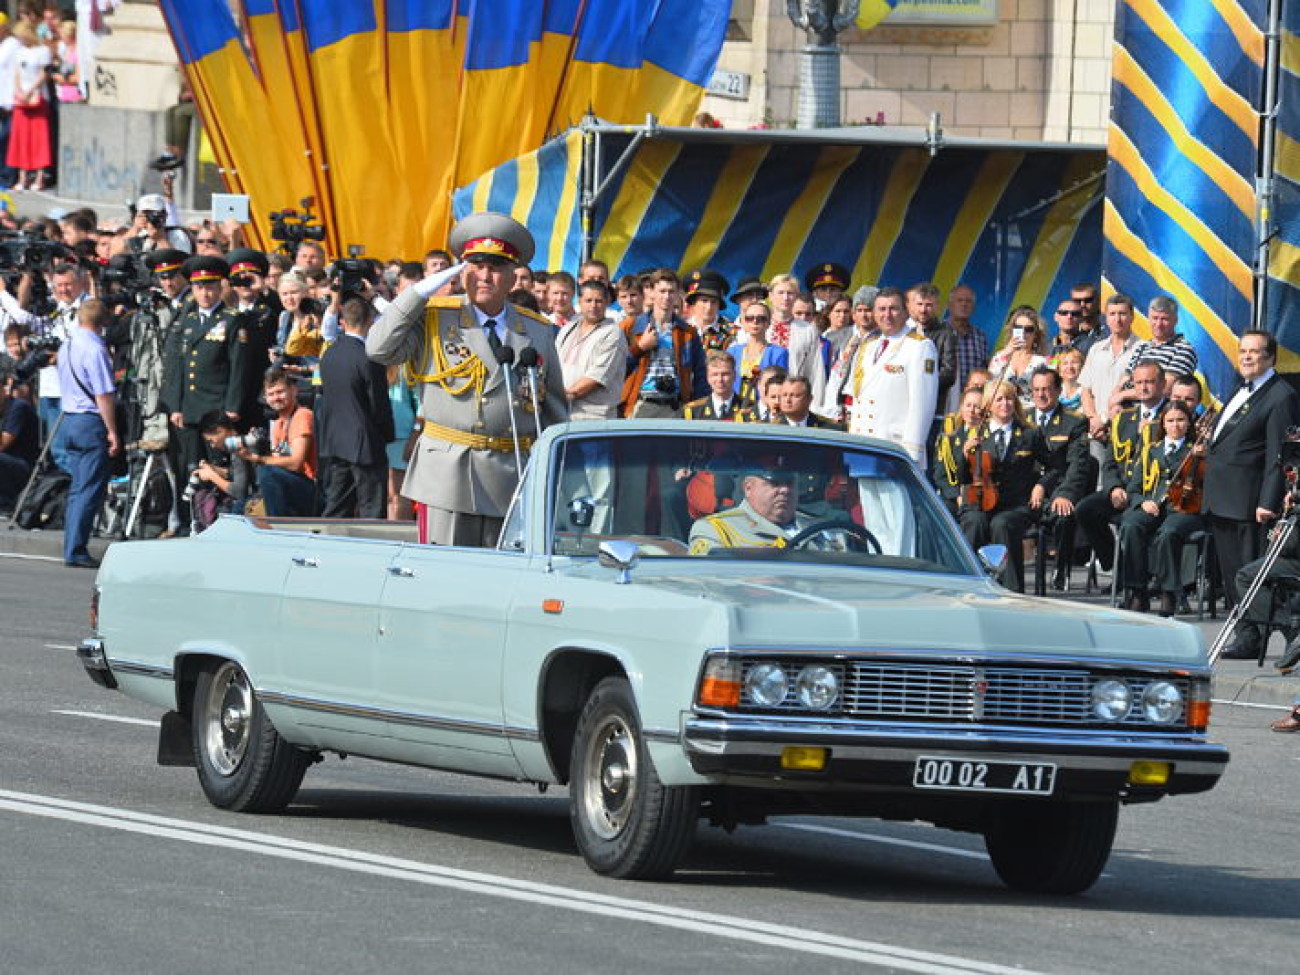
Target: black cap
750	286
245	260
165	260
705	282
204	268
827	273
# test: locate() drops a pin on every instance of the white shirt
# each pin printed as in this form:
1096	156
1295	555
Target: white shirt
9	49
1234	405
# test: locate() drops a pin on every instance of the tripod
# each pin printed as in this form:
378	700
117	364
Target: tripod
1280	535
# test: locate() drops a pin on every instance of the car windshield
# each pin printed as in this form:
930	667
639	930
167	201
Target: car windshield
778	498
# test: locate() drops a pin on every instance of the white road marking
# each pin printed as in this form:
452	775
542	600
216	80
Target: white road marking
492	885
59	646
1248	704
30	558
147	722
888	840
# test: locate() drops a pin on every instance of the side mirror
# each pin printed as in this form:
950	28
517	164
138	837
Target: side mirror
581	512
992	557
619	554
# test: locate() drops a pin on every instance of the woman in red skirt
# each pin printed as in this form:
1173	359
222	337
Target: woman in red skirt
29	137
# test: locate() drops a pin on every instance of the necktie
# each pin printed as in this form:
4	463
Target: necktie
1043	418
1169	449
1000	443
880	349
1249	387
490	327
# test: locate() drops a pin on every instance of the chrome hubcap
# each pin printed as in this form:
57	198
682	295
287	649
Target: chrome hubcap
227	715
611	775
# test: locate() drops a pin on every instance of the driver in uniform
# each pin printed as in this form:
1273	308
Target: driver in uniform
767	517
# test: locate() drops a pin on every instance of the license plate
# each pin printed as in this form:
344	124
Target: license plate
968	775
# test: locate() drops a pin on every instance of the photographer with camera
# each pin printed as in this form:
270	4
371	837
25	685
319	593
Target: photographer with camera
260	307
156	225
90	427
222	485
286	472
666	363
20	438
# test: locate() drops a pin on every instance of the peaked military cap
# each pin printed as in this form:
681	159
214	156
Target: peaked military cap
205	269
827	273
490	235
705	282
750	287
245	260
165	260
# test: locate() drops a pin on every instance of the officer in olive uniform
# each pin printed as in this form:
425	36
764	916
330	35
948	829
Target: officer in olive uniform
463	469
209	361
768	517
260	308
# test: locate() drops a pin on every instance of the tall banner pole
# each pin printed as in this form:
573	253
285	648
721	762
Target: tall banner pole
1264	181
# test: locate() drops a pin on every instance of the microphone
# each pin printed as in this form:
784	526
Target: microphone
529	359
506	357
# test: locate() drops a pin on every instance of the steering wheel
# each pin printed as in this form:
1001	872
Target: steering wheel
869	541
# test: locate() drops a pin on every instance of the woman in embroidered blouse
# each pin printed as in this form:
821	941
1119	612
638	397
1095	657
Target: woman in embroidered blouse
755	353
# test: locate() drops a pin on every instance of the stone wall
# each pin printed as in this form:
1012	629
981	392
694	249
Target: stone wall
1042	72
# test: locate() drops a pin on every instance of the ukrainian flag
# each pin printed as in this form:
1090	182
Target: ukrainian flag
1282	295
872	12
379	108
1184	140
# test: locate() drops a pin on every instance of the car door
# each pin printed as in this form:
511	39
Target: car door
328	627
441	643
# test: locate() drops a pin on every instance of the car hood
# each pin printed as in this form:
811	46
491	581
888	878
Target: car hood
792	605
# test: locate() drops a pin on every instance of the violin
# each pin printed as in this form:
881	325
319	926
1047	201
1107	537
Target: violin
1186	488
981	493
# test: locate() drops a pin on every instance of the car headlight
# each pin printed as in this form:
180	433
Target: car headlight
1111	700
817	687
1162	702
766	685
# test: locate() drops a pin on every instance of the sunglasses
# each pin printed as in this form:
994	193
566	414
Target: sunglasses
757	318
1069	312
205	240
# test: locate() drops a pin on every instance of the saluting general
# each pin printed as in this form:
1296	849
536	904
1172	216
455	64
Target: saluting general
463	468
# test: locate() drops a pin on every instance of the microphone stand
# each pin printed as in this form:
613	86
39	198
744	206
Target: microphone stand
506	357
528	358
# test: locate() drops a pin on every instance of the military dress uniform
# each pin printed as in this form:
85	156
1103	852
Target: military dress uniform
463	468
261	319
735	410
1131	432
894	384
1153	544
1066	434
209	365
743	527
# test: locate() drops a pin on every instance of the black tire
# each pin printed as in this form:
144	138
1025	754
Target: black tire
627	823
243	763
1052	848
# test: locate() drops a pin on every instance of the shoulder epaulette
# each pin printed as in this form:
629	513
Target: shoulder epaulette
917	334
443	301
529	313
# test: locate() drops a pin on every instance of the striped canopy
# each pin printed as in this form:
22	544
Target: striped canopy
1020	225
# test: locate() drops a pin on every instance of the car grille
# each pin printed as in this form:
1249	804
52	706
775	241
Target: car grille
920	692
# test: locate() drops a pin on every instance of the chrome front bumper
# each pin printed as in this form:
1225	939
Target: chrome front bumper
883	756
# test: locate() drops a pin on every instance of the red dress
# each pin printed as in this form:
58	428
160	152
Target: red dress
29	137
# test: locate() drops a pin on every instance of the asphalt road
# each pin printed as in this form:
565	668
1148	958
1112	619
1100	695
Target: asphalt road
111	863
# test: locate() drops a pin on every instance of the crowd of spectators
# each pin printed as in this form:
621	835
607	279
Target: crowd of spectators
241	369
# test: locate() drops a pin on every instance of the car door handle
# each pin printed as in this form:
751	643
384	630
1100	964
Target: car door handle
402	571
305	562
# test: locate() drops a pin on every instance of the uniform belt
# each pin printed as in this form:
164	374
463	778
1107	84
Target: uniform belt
474	441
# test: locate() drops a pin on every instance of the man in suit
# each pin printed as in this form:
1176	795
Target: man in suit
894	380
354	421
796	404
464	468
1244	486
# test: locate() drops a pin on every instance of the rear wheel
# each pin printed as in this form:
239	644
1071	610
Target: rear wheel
243	762
627	823
1052	848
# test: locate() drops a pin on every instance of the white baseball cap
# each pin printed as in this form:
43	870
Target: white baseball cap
151	201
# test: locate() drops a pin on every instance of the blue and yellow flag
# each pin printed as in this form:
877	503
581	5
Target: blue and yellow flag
379	108
1183	145
872	12
1282	296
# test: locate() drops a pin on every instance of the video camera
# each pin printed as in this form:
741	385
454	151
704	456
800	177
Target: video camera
291	228
1290	461
23	254
127	282
40	351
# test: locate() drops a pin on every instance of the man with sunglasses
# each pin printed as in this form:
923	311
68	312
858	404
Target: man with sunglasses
1070	333
1084	294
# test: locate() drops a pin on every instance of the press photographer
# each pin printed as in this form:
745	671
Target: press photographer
221	485
286	476
20	439
156	224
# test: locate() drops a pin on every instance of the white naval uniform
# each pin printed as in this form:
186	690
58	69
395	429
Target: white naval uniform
894	392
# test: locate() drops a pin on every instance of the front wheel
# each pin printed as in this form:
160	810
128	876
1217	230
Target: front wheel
243	762
626	822
1052	848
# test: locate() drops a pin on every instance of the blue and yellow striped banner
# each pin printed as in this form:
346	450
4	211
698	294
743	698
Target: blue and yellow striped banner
1014	224
1282	296
1183	148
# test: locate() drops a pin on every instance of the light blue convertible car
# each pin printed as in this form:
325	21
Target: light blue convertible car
682	621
